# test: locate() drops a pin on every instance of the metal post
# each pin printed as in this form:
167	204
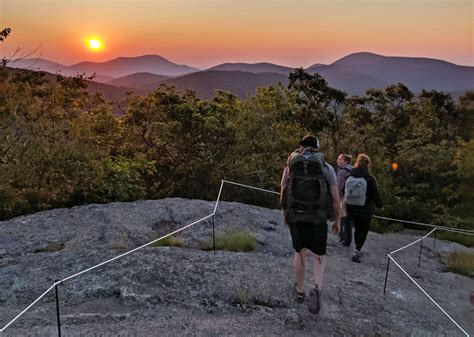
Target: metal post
213	234
386	274
419	256
434	241
57	307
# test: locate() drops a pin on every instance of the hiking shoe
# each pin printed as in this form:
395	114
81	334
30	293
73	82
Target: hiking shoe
300	297
314	304
356	258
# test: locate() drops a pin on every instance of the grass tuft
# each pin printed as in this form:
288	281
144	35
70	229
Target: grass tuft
173	241
462	263
121	243
233	240
242	297
50	248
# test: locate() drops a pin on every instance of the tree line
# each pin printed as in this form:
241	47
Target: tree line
63	146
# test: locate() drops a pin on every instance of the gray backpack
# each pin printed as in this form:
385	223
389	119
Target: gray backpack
355	191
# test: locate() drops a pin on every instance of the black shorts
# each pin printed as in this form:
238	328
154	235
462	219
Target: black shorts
311	235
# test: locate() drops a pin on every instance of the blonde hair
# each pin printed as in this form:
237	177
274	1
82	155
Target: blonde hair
363	160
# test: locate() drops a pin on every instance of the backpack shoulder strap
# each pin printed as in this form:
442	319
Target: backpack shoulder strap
293	155
346	169
306	154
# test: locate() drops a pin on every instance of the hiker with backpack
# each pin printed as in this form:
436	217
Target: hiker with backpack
345	167
361	196
309	198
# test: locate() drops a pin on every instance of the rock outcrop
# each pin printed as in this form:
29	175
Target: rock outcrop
187	291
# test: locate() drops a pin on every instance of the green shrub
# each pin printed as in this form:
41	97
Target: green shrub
233	240
464	239
171	240
383	226
455	222
461	263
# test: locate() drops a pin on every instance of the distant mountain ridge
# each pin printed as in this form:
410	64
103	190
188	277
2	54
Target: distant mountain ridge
415	72
118	67
142	81
354	74
240	83
123	66
111	93
35	64
263	67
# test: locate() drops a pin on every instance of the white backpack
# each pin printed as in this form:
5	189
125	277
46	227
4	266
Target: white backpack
355	191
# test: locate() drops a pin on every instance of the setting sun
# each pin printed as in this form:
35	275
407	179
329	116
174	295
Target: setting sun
94	44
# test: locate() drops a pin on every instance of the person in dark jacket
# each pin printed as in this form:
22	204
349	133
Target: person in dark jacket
362	215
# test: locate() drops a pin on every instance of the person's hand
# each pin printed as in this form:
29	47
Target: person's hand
283	218
336	227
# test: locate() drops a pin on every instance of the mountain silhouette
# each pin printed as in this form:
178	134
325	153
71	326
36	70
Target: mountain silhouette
353	83
142	81
106	71
354	74
240	83
123	66
263	67
416	73
36	64
111	93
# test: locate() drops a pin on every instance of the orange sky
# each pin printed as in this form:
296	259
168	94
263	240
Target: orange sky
203	33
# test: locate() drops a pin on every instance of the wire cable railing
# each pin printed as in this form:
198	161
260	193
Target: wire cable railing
427	295
448	229
414	242
59	282
135	249
211	216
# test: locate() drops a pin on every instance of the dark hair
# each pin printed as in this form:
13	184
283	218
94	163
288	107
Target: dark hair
310	141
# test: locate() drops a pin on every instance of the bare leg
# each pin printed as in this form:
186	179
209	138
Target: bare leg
299	266
319	266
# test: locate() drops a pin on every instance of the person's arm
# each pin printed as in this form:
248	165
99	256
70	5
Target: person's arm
284	182
283	190
341	180
330	177
336	204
